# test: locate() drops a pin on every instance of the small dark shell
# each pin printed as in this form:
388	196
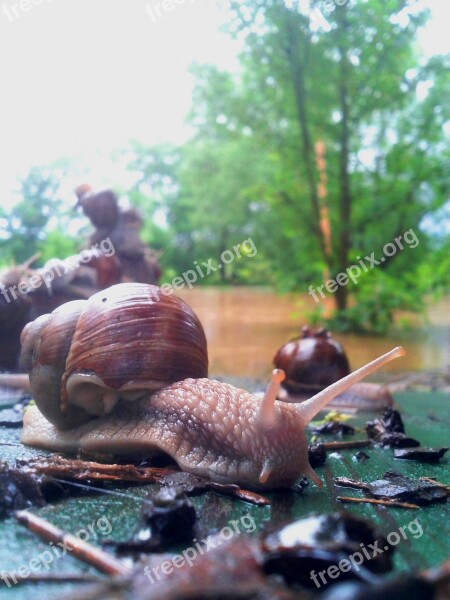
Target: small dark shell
312	361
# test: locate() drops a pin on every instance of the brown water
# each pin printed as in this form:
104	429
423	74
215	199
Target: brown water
245	326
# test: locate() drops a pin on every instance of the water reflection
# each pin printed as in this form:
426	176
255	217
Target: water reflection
245	326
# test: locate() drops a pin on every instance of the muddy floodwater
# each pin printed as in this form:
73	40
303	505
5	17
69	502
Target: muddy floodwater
245	326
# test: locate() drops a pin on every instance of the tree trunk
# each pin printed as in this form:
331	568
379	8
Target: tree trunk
297	68
297	64
345	194
223	266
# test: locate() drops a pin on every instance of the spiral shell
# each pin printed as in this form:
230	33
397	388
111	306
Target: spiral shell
121	343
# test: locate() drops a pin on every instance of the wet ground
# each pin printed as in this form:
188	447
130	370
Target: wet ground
426	418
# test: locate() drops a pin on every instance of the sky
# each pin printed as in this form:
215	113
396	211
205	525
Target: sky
80	78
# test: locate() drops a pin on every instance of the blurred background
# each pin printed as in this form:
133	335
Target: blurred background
317	129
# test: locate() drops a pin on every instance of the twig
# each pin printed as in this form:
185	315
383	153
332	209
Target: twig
436	483
10	444
351	483
91	488
87	471
48	578
81	550
350	444
374	501
237	492
81	470
27	264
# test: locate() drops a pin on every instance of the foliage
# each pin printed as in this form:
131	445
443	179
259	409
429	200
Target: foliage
359	89
380	295
57	244
36	224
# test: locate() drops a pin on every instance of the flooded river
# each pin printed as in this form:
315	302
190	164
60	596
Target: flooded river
245	326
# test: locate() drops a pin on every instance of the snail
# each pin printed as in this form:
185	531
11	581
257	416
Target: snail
315	360
209	428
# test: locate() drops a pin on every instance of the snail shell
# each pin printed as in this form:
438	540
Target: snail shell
120	344
314	361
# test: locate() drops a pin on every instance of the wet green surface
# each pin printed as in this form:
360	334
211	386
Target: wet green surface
426	416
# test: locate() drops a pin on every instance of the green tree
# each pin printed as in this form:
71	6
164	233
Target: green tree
38	215
353	85
207	196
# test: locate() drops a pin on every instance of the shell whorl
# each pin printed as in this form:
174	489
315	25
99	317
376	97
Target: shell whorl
45	345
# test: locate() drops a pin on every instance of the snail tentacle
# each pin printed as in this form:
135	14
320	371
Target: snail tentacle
309	409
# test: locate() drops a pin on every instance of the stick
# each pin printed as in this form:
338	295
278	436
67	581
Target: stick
49	578
350	444
27	264
374	501
436	483
351	483
81	470
81	550
88	470
237	492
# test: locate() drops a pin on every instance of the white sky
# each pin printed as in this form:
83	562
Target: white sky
80	78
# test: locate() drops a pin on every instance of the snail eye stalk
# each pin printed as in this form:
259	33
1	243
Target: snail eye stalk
309	409
268	414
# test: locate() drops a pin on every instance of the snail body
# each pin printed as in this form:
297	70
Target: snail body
314	360
209	428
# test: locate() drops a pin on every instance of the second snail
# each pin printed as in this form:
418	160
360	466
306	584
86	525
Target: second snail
315	360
